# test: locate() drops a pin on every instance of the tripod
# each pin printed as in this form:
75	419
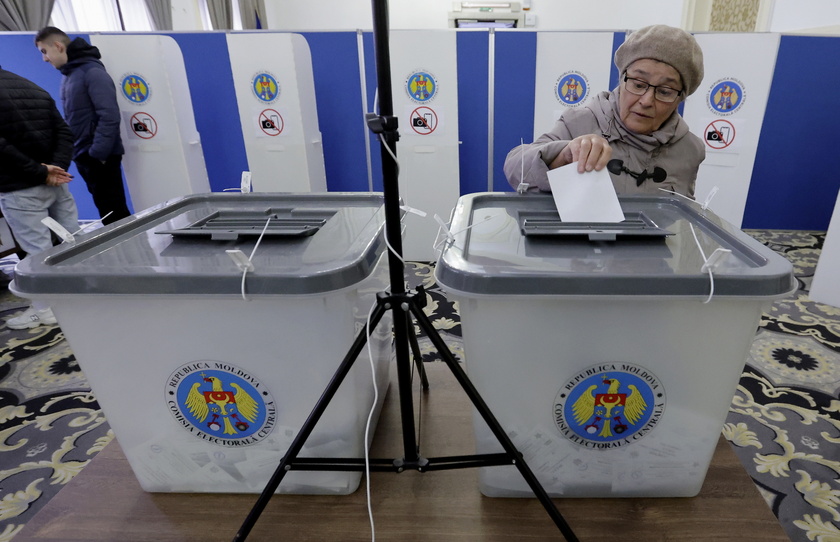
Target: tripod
404	305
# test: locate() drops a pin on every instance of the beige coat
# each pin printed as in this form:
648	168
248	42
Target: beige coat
672	147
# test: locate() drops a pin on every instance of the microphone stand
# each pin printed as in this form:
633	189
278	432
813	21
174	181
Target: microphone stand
403	306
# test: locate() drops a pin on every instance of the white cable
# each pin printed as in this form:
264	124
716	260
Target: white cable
242	288
251	257
369	419
394	252
397	163
393	156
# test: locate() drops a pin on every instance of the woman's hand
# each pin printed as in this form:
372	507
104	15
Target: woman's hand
591	152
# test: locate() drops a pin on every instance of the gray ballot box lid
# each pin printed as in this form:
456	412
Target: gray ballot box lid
313	243
516	244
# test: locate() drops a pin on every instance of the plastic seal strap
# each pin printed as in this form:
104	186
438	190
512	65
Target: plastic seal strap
58	229
711	263
703	206
522	187
708	199
443	236
450	235
241	261
715	259
246	264
412	210
91	223
244	184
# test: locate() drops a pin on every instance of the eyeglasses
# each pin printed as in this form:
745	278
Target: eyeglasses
639	88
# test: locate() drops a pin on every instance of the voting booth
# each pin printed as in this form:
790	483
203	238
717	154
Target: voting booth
206	368
826	287
608	352
425	87
275	93
163	155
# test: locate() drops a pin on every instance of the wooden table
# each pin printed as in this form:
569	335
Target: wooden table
105	502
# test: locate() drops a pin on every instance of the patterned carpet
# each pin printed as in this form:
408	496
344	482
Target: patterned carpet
784	422
50	423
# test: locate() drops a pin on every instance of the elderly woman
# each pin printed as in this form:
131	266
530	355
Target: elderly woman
637	123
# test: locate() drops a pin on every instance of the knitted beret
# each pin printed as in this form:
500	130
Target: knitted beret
666	44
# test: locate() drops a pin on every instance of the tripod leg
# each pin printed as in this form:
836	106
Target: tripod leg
494	425
308	426
418	357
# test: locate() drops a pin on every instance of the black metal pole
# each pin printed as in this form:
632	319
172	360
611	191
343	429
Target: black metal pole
393	224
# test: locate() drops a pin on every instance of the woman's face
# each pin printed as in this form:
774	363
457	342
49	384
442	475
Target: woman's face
645	114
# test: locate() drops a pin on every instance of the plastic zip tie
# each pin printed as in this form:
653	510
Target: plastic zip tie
58	229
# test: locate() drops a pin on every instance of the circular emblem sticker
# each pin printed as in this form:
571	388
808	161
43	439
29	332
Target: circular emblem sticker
135	89
265	87
609	405
220	403
571	88
726	96
421	86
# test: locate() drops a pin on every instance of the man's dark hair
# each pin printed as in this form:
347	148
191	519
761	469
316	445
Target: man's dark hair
49	33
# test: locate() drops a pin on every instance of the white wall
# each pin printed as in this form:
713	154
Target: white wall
432	14
793	15
784	16
185	15
605	14
319	15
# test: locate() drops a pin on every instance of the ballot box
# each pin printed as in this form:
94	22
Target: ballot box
609	353
209	326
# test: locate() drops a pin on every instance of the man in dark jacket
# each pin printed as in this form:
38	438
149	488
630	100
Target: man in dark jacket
89	98
35	149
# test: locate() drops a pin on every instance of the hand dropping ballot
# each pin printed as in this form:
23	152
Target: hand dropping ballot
584	197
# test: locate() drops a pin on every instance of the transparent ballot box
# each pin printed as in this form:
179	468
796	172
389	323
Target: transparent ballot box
206	363
598	346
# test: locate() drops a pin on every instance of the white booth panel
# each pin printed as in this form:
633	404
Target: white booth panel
275	91
163	157
424	79
727	111
571	68
826	285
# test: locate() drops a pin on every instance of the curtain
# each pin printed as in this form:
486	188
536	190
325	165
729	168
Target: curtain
160	12
253	14
25	14
221	14
87	16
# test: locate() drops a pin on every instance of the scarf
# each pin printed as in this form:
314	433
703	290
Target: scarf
605	108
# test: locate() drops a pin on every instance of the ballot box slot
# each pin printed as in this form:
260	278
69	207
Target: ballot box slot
540	223
225	225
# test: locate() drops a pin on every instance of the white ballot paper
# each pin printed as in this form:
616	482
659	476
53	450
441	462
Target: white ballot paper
584	197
